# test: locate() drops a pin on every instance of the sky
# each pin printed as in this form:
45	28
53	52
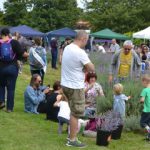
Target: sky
80	4
1	4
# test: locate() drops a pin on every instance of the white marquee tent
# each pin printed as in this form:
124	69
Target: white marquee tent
143	34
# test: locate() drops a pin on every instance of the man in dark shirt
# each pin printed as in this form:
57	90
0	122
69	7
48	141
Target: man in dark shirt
54	52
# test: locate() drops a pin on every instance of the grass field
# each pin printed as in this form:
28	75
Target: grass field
22	131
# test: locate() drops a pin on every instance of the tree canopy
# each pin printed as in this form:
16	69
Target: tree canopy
44	15
121	16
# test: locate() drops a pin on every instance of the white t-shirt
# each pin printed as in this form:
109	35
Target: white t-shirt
101	49
114	47
73	61
64	110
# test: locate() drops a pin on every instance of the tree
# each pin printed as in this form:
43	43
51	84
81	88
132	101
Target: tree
15	10
53	14
44	15
1	18
121	16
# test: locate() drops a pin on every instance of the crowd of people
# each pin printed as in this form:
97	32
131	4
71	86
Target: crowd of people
73	97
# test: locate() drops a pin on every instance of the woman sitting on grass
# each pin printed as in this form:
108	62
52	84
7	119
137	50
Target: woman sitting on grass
92	90
52	112
34	94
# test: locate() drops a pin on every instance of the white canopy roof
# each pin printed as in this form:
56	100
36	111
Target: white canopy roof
143	34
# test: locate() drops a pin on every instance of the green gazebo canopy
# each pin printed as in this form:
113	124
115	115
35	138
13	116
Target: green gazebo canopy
109	34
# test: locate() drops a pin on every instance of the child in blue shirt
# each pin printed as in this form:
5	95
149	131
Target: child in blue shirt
119	99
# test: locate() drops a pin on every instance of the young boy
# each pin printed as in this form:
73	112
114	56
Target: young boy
145	98
119	99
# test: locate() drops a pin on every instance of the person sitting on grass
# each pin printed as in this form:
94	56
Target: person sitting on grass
145	98
52	112
119	99
64	112
92	90
34	94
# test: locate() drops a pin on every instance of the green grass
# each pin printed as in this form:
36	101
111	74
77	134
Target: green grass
22	131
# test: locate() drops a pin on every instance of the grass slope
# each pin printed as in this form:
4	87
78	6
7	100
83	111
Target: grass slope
22	131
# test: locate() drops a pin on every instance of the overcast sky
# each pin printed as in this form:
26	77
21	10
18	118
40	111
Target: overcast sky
80	4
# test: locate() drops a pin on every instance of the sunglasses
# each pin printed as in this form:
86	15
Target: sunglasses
127	49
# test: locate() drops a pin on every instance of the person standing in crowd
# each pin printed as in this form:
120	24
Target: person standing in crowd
35	68
106	46
125	64
145	98
74	62
114	47
24	45
34	94
68	41
54	52
88	45
10	52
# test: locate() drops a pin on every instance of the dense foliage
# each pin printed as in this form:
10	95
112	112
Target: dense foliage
120	16
44	15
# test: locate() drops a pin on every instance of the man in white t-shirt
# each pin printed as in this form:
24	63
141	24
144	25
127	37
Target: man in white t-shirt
114	47
75	63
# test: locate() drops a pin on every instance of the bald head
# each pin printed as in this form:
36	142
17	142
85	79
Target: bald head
81	38
81	34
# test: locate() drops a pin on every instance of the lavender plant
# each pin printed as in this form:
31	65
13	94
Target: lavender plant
132	88
109	121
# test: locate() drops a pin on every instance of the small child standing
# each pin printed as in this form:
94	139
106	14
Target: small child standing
119	99
145	98
64	112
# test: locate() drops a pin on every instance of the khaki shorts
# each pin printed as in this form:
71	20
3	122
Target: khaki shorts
76	99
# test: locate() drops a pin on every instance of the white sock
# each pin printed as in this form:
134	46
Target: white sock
147	128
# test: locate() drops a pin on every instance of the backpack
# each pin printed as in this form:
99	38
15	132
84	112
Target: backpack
36	60
6	51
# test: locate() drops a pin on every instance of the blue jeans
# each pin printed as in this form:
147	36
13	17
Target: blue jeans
145	119
54	57
8	77
63	120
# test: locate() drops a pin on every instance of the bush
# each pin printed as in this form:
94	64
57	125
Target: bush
103	104
131	88
132	123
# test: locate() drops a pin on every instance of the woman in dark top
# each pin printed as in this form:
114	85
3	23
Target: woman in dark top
52	112
9	68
